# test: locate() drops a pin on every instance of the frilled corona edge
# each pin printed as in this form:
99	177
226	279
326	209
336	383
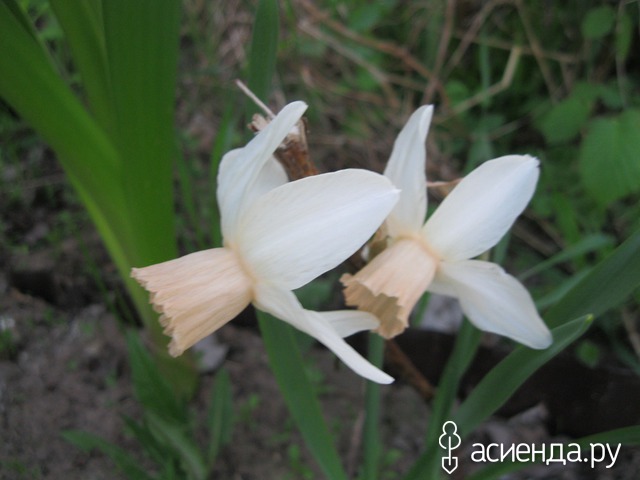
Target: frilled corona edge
196	294
391	284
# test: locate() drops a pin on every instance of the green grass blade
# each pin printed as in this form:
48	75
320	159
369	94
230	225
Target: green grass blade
21	17
220	421
188	194
287	365
489	395
606	286
34	89
141	41
506	377
175	437
625	436
150	387
83	29
221	145
467	342
128	465
587	244
264	47
151	445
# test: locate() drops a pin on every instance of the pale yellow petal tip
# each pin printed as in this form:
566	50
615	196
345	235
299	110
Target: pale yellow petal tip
174	349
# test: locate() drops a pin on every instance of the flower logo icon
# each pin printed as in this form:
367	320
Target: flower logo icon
449	441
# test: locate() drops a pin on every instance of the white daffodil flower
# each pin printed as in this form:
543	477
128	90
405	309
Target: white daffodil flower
436	256
278	236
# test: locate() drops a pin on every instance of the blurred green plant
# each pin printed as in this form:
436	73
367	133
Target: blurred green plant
108	113
168	432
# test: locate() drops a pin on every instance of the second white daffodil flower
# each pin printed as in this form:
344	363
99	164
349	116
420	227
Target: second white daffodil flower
278	236
436	256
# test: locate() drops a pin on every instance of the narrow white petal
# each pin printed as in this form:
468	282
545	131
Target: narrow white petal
406	170
304	228
348	322
241	169
493	300
482	208
284	305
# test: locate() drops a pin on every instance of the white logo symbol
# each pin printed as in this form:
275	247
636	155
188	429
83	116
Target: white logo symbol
449	440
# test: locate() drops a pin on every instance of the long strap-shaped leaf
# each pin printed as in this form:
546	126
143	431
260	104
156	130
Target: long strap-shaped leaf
82	24
495	389
299	395
506	377
33	88
141	41
464	350
605	287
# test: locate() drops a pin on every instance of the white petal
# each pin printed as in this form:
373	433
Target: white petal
493	300
348	322
406	170
482	208
284	305
271	176
304	228
241	169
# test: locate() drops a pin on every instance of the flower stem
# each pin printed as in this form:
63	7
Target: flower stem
371	443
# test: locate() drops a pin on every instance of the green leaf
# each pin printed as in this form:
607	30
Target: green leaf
264	48
610	157
221	145
152	446
150	387
82	26
175	437
141	43
467	342
220	420
598	22
506	377
566	119
606	286
33	88
287	365
125	462
19	14
587	244
625	436
624	36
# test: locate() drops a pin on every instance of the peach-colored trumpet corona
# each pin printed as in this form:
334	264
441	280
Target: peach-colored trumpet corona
436	256
278	236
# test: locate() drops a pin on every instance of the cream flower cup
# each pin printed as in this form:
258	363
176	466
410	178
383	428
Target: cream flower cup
436	256
278	236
